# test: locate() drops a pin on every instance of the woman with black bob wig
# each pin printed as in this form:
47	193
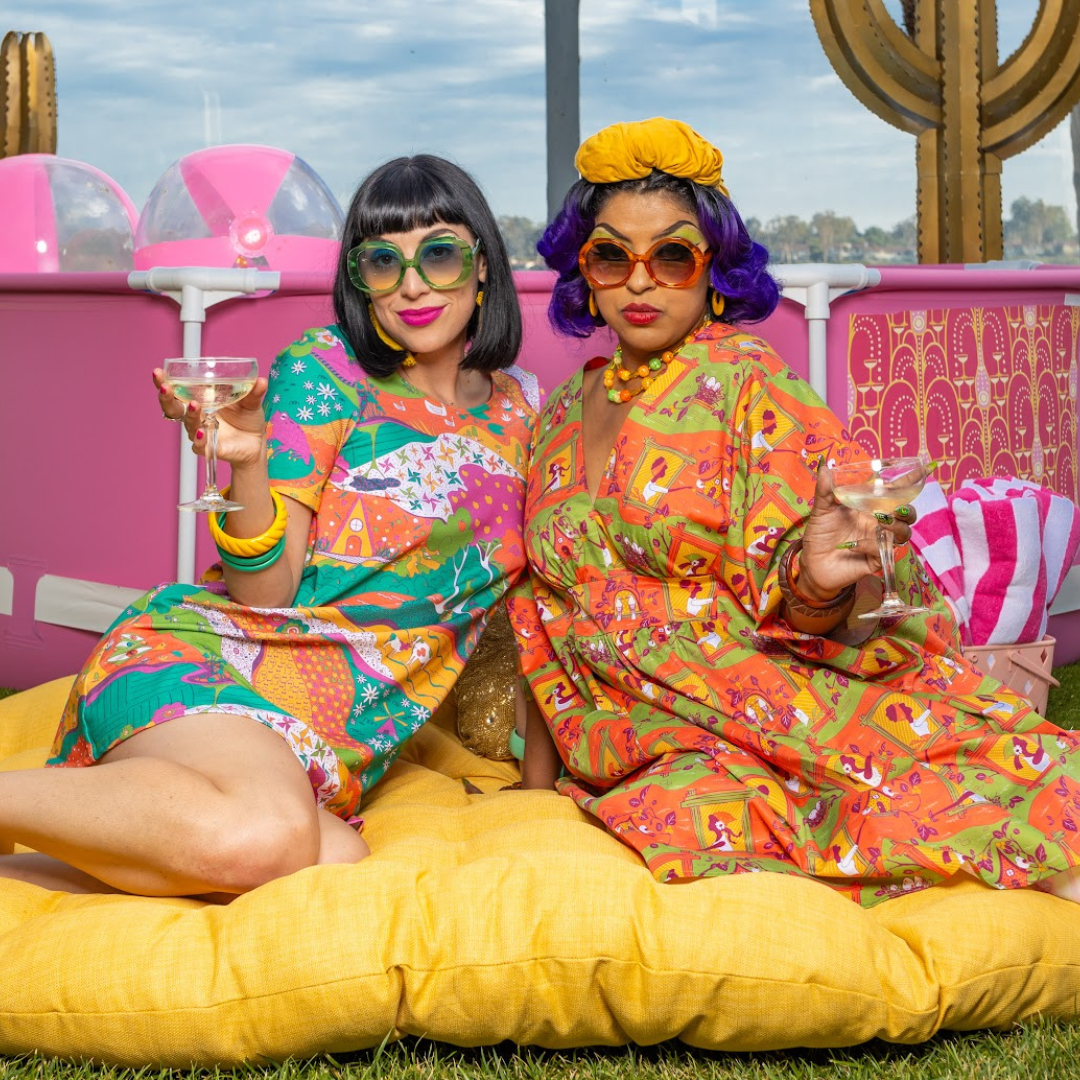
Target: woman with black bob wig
233	727
685	626
420	192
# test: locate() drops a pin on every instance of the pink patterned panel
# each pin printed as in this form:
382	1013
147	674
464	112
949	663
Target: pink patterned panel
986	391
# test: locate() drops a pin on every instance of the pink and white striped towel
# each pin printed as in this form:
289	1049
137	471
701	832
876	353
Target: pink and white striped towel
999	550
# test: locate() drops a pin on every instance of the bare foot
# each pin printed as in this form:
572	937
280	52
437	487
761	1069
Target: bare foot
1066	885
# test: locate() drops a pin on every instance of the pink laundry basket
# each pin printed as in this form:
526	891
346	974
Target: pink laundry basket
1024	667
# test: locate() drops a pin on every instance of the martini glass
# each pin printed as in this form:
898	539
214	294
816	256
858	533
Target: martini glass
880	486
212	382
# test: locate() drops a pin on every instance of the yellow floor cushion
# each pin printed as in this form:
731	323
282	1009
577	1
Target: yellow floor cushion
504	915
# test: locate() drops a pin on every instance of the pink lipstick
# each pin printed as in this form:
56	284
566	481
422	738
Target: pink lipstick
419	316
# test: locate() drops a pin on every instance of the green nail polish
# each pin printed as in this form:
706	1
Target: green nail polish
847	545
885	519
902	512
932	466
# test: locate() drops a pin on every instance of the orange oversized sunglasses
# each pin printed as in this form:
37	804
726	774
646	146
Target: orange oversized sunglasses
673	262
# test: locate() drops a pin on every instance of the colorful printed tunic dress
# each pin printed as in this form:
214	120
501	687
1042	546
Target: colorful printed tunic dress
416	533
704	731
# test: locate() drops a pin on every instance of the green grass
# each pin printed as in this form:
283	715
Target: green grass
1039	1050
1063	706
1033	1051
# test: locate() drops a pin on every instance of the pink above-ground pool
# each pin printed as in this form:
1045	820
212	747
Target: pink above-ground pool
978	367
242	206
62	215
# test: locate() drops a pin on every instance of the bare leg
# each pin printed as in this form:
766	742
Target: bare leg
542	763
208	803
50	874
1066	885
339	842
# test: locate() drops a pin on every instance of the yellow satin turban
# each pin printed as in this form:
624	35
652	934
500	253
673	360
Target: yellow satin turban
631	151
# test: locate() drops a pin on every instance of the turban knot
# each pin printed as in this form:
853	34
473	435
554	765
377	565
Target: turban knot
631	151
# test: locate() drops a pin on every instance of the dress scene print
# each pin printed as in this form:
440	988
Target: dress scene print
705	732
416	534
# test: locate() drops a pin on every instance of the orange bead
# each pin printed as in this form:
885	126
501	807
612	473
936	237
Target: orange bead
646	382
643	371
625	395
624	374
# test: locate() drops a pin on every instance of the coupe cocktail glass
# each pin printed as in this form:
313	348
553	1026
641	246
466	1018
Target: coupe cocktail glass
211	382
880	486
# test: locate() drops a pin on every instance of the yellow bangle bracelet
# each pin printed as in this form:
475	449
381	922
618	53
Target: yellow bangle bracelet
252	546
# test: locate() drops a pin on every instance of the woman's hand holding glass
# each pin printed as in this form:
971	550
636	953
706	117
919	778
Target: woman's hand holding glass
234	432
842	545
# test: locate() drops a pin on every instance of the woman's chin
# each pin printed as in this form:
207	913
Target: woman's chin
664	333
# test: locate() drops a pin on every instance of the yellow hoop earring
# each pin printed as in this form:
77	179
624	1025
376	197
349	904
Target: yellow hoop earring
594	311
718	302
384	337
479	297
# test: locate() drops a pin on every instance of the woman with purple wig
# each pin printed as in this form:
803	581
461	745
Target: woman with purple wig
686	628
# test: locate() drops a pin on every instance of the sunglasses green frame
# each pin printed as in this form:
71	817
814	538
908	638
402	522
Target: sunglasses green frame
468	253
700	258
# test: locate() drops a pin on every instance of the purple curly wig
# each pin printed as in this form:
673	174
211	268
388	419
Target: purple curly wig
737	271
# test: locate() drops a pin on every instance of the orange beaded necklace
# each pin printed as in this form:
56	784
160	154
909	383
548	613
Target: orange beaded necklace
645	372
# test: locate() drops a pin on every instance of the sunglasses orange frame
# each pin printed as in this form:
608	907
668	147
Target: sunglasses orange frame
701	259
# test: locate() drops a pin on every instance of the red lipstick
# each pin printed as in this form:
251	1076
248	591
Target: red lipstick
640	314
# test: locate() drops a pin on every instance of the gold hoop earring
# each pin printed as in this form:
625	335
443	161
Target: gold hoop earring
594	311
384	337
479	297
718	303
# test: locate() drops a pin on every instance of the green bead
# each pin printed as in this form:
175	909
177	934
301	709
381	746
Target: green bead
655	364
613	395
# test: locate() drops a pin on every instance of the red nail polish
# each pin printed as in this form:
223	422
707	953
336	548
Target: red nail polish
198	435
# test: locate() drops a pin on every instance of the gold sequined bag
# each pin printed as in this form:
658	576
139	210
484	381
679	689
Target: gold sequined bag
485	690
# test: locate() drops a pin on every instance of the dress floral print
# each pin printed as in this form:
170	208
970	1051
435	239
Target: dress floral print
705	732
416	533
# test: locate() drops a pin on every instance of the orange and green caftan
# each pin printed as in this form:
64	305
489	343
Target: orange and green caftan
707	733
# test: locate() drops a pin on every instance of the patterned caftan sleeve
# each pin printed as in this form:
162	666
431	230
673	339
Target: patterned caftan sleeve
781	433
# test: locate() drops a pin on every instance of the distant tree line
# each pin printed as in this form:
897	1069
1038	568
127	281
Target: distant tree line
1034	230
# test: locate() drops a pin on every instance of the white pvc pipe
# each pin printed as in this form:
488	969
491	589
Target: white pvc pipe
189	475
846	276
208	279
815	286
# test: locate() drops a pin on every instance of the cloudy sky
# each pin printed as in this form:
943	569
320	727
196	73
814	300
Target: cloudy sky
347	84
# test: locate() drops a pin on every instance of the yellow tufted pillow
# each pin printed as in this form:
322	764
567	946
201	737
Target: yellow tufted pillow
507	915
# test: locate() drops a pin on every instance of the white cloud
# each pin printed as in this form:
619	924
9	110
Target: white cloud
349	83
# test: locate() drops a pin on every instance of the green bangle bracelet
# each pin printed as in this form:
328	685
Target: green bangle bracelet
517	745
257	562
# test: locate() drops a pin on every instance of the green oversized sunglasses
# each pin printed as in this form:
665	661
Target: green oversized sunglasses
444	262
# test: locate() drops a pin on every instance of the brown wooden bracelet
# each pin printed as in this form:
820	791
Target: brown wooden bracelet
803	605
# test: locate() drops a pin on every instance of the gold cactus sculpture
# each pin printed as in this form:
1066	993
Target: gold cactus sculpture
945	85
27	95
